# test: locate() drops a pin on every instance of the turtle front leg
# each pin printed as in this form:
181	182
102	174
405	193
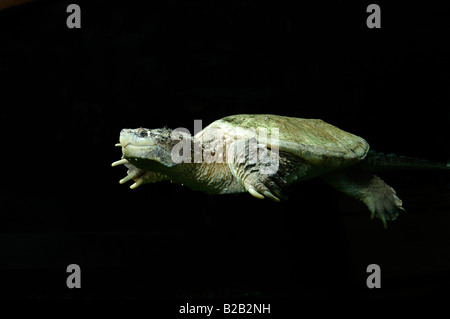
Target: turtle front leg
379	197
258	174
264	186
138	175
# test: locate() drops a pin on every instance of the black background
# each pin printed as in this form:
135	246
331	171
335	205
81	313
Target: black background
65	94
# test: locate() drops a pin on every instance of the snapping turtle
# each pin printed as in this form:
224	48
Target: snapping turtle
235	154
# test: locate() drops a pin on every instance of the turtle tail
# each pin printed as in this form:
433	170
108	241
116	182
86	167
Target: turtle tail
375	161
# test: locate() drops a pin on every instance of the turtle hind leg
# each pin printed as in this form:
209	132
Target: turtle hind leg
379	197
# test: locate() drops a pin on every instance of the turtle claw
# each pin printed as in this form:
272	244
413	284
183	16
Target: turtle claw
383	219
119	162
271	196
131	175
254	193
138	183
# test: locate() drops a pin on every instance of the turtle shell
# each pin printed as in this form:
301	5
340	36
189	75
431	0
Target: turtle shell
312	140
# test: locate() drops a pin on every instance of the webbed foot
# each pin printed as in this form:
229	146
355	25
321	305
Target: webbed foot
384	205
380	198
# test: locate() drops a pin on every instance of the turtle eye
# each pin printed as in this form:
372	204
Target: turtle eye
143	134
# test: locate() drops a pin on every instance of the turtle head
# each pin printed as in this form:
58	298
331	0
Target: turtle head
149	150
